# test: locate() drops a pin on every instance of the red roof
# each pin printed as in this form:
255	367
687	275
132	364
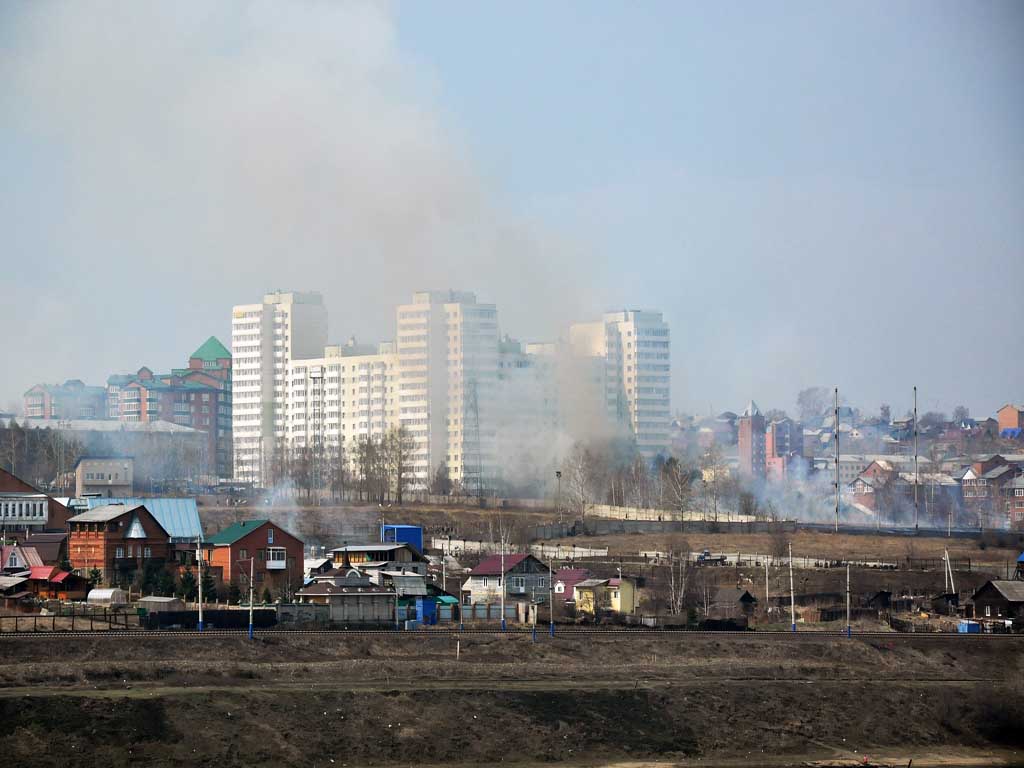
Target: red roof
491	565
59	577
41	572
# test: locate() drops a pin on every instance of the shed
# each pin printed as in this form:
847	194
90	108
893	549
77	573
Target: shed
154	604
999	599
107	596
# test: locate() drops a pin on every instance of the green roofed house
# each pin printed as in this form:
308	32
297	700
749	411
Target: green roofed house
274	555
198	396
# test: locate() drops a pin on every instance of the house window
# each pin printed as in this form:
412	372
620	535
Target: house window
259	576
517	582
260	554
243	554
542	581
270	535
483	581
560	588
119	552
147	552
988	610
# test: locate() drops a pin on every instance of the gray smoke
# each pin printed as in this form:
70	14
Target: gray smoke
208	152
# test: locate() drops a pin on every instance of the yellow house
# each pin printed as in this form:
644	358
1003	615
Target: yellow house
593	596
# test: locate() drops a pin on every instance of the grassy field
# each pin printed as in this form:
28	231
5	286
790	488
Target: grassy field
674	700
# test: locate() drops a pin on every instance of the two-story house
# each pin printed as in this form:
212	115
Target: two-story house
263	548
117	540
523	578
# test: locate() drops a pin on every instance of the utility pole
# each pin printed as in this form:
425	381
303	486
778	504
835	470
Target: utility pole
551	599
767	596
837	458
252	579
848	631
199	570
501	577
792	595
917	470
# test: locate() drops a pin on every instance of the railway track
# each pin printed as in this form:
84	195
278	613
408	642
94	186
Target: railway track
542	634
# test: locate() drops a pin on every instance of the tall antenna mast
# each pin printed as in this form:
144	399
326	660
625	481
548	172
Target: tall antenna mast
917	470
836	425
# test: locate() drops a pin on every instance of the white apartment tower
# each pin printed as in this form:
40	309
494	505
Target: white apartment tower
447	346
348	393
634	345
265	338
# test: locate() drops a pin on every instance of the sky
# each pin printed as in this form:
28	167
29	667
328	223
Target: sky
813	193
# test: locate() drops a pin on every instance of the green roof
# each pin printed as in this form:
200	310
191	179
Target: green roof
212	350
233	533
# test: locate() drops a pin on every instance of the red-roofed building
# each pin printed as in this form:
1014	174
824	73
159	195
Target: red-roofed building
523	578
49	583
566	579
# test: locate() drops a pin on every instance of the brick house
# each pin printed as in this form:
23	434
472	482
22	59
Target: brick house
117	540
278	557
1010	417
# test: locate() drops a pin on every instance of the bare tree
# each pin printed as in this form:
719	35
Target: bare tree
677	480
580	475
680	572
398	450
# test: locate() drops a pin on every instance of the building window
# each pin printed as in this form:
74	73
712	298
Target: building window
260	555
119	552
270	535
988	610
147	552
243	554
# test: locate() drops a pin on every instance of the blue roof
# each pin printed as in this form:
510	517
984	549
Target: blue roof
1021	558
179	517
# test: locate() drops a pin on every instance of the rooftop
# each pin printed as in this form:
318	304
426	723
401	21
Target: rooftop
104	513
234	532
212	351
491	565
179	517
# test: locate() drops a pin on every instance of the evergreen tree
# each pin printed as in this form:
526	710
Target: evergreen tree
187	587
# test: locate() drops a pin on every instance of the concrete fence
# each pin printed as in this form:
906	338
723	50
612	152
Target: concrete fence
566	551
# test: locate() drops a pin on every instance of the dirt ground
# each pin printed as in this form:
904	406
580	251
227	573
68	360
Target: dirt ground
407	700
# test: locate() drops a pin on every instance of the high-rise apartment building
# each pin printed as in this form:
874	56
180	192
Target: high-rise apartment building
447	347
348	394
751	431
637	377
265	337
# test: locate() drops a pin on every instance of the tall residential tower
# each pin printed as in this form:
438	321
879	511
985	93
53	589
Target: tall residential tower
265	337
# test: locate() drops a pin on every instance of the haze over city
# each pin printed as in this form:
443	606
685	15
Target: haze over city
811	195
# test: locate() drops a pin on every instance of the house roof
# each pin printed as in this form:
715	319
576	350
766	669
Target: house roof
211	351
7	582
571	575
103	513
30	555
234	532
729	595
590	583
179	517
1013	591
491	565
41	572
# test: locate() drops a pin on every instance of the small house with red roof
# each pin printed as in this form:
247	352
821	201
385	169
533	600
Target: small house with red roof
48	582
523	578
566	579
